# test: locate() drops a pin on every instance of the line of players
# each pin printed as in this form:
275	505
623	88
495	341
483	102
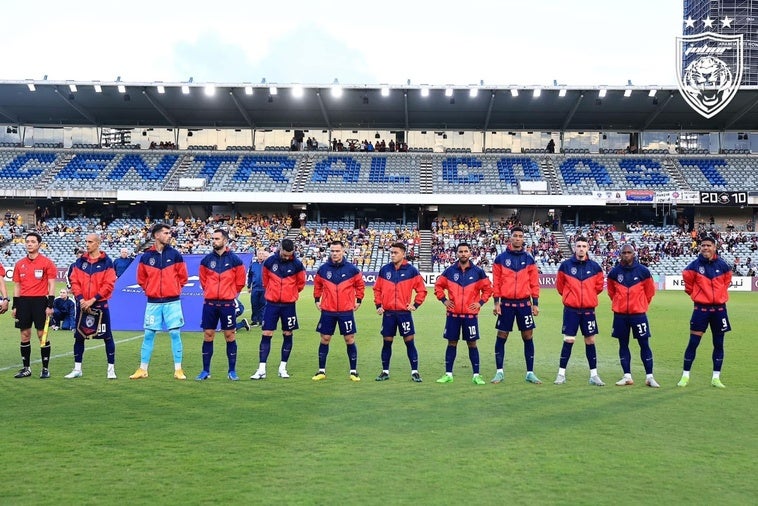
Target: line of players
463	288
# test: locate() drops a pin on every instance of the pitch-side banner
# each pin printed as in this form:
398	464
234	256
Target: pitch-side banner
739	283
128	301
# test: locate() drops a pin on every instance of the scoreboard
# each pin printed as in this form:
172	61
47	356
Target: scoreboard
725	198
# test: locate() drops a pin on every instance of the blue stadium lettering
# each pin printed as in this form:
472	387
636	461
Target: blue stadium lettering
345	167
573	173
378	173
23	167
452	168
644	172
141	167
506	169
708	168
85	166
273	166
211	163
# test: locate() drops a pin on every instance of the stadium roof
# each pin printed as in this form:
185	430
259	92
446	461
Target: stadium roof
276	106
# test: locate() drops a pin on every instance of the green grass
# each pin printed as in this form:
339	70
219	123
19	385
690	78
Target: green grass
160	441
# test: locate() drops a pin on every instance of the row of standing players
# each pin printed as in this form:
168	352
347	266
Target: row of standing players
463	288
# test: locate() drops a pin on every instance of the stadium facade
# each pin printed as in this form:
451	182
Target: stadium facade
741	18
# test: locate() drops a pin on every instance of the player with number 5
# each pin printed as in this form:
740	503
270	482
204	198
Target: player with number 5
222	276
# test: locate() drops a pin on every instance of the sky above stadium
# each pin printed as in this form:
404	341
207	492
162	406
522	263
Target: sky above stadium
502	42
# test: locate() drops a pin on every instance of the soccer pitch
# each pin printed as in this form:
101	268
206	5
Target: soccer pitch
162	441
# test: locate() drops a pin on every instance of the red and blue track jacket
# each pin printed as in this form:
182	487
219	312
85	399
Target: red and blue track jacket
630	288
707	281
515	276
464	287
162	274
93	277
221	276
338	286
579	282
283	280
394	288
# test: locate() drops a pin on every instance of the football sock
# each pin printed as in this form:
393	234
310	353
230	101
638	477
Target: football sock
450	353
78	350
499	352
386	354
264	349
591	353
78	366
352	355
26	353
231	354
529	354
110	350
565	354
625	355
147	347
207	355
323	352
646	355
45	355
410	347
286	347
473	355
690	352
718	350
176	345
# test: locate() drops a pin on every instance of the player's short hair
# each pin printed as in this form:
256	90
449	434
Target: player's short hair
223	233
157	228
708	238
581	238
462	245
517	229
398	245
35	235
288	245
627	246
337	243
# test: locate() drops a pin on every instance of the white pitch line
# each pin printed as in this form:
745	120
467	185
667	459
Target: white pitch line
70	353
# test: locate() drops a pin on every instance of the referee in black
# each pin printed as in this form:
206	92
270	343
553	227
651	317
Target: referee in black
33	295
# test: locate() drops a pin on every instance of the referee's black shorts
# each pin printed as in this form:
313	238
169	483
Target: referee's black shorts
31	310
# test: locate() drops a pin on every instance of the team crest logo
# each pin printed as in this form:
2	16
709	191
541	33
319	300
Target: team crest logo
573	271
701	269
213	264
709	70
89	321
329	275
151	262
620	278
508	262
388	275
456	277
275	267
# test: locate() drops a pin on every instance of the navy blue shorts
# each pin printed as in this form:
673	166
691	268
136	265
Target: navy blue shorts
213	312
401	321
274	313
574	319
636	323
519	311
465	325
715	316
329	320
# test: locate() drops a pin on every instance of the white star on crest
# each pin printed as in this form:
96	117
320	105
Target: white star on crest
726	22
708	22
689	22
